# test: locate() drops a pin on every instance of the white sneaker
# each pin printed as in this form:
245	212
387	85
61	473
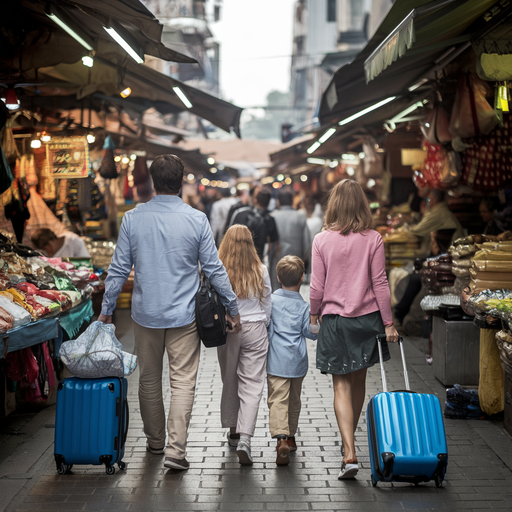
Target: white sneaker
348	470
233	439
243	450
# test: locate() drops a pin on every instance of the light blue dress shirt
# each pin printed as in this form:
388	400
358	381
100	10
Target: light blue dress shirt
287	351
164	239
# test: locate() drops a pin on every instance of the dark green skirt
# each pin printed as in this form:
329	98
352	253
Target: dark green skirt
346	345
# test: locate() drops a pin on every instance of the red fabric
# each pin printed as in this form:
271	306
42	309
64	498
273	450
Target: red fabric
27	288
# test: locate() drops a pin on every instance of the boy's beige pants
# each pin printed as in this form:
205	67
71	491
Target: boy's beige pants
284	404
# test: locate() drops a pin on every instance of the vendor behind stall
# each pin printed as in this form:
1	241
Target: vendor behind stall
437	217
487	209
68	245
440	241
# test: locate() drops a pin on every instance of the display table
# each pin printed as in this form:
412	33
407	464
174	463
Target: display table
456	351
28	335
46	329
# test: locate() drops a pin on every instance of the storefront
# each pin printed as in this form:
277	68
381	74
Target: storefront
80	122
421	107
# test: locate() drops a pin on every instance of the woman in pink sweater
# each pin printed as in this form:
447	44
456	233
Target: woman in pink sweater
350	298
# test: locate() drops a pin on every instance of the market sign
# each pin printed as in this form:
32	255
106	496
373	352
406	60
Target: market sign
68	157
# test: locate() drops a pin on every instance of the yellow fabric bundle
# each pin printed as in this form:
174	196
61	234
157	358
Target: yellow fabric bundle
15	296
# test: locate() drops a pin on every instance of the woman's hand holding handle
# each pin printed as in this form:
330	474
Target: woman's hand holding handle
391	333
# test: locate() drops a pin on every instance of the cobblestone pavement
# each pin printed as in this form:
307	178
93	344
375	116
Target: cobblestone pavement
479	473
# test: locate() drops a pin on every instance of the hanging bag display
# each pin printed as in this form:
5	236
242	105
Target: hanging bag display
471	114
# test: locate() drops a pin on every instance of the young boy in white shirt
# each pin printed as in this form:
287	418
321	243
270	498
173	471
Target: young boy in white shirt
287	361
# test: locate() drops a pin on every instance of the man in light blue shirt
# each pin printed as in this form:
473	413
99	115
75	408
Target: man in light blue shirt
163	240
287	359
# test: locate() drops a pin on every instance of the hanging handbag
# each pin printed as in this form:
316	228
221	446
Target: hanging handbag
210	315
472	114
108	169
373	162
436	128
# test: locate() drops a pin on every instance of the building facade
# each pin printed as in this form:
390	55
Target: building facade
326	35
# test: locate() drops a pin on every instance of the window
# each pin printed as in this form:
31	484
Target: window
331	10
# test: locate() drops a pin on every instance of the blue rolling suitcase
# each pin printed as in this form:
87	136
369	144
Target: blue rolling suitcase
406	435
91	423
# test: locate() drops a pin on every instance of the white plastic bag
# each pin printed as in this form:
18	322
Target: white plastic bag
96	353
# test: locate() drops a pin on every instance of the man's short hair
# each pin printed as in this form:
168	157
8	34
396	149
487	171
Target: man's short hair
42	237
263	198
285	198
290	270
167	174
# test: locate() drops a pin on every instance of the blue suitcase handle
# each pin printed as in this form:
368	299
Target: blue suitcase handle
380	339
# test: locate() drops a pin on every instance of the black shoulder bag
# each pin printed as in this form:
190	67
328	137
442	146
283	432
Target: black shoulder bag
210	315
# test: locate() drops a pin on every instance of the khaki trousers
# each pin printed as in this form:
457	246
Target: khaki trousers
182	345
284	405
243	361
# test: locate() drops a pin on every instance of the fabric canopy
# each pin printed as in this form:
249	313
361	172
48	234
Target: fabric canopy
29	39
447	28
150	89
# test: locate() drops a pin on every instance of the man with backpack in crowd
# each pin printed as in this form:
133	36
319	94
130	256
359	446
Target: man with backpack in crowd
259	221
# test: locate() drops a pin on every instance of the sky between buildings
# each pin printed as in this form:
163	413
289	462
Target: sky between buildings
256	46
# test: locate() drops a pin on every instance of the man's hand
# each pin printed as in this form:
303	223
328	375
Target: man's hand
105	319
235	323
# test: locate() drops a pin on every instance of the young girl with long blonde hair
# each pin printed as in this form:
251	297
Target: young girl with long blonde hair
244	356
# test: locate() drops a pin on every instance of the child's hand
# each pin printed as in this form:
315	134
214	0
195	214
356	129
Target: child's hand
315	319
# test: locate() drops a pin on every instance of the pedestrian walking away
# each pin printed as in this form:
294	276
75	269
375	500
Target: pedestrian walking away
163	240
219	214
243	358
287	362
259	222
350	298
293	232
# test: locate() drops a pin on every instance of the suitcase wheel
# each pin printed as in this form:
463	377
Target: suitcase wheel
374	482
121	465
438	481
110	470
62	469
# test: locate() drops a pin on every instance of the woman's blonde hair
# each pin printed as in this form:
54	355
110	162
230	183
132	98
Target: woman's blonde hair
239	256
347	209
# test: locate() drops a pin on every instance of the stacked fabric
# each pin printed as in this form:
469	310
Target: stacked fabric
491	266
19	314
436	274
462	251
462	403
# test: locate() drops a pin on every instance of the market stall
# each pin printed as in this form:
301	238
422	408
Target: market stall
42	301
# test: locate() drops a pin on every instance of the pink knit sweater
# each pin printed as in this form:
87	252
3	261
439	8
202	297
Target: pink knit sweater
348	276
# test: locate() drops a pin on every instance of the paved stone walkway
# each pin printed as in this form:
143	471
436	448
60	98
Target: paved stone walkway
479	473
